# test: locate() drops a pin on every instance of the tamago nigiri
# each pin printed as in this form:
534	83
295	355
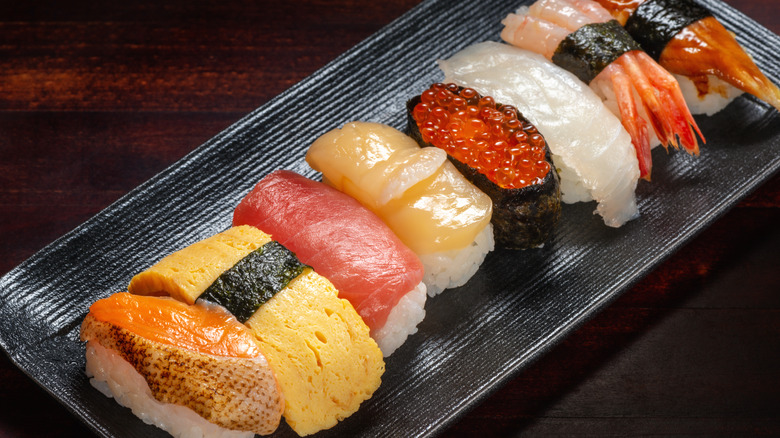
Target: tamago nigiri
317	345
346	243
418	193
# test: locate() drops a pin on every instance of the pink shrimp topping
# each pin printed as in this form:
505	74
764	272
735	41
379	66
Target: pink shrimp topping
645	92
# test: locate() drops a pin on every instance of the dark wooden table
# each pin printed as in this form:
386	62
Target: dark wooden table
96	97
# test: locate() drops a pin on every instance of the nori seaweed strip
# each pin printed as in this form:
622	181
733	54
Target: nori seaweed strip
655	22
590	49
254	280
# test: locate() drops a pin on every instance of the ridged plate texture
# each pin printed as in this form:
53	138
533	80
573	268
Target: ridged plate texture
474	338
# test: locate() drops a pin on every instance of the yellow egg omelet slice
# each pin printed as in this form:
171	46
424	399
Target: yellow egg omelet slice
185	274
320	349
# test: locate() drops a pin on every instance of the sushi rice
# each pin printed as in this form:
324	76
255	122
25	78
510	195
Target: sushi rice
402	321
115	377
721	93
448	269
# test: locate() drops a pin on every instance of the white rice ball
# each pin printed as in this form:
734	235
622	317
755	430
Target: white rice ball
720	94
402	320
448	269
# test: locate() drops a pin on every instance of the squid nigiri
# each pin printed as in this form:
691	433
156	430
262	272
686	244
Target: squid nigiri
346	243
582	37
591	150
687	40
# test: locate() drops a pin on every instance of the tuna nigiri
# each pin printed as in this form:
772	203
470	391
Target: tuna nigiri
591	150
346	243
420	195
190	370
582	37
687	40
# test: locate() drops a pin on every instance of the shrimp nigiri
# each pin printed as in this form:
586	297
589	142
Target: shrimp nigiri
687	40
582	37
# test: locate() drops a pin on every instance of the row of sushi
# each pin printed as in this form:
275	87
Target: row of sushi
290	312
232	333
341	284
585	81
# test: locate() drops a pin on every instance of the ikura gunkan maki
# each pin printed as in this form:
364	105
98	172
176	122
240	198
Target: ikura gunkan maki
500	152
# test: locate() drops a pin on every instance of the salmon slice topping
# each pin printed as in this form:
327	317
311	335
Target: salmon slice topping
205	329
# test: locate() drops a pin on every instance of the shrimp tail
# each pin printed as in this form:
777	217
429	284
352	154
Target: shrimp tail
662	98
632	121
685	125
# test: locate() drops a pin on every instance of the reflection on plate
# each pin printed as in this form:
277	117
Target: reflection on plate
474	338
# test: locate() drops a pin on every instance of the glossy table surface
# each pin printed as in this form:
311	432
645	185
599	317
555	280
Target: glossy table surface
98	97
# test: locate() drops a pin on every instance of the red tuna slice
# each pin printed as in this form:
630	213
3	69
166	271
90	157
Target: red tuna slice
338	237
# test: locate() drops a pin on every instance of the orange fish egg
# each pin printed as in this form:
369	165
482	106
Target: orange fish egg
486	136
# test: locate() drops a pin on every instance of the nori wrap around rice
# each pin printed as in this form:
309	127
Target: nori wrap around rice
526	208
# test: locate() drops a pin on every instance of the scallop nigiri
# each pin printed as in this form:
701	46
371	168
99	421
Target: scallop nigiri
591	149
582	37
186	369
687	40
346	243
420	195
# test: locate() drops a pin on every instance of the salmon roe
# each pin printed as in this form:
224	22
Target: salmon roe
483	135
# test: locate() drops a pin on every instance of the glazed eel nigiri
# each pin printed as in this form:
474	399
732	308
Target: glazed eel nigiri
582	37
687	40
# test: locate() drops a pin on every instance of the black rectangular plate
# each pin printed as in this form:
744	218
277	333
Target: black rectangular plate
474	338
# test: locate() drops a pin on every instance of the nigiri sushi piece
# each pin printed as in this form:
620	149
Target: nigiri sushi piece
687	40
347	244
591	149
325	360
190	370
420	195
582	37
317	345
500	152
